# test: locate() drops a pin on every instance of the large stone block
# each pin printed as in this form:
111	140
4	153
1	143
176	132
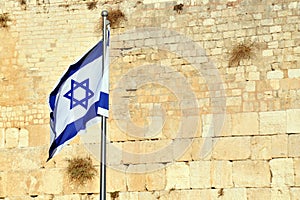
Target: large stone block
39	135
280	146
178	176
295	193
3	181
156	180
282	172
52	181
11	137
2	137
221	174
200	174
280	193
245	124
258	193
20	183
297	171
294	141
251	174
23	138
272	122
293	121
231	148
135	181
229	194
116	180
261	147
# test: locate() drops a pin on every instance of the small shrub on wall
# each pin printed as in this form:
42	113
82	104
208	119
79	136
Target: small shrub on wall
81	170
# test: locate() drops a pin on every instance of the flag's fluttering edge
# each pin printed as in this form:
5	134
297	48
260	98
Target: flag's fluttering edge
79	97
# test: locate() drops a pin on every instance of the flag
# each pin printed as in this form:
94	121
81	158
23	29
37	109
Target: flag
79	98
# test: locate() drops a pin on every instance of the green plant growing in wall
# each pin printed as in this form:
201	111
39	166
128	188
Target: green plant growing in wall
240	52
4	19
81	170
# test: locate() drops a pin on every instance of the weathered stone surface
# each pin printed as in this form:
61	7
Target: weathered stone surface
294	141
295	193
272	122
2	137
279	146
52	181
259	193
241	124
297	171
23	138
200	174
230	194
116	180
221	174
11	137
261	147
3	182
293	119
156	180
231	148
251	174
39	135
178	176
282	170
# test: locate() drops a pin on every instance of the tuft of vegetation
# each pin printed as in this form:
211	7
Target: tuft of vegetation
242	51
178	8
91	5
115	17
220	192
81	170
114	195
4	19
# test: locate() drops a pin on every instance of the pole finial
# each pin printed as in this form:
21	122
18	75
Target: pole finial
104	13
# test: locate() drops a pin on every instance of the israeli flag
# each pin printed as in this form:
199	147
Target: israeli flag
79	98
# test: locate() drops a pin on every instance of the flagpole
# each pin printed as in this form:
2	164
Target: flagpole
103	121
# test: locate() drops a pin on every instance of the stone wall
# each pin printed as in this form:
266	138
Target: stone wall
184	123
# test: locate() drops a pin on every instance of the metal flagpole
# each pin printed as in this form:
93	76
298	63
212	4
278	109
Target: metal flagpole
103	122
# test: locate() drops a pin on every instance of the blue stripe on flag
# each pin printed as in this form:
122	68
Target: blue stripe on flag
73	128
89	57
104	100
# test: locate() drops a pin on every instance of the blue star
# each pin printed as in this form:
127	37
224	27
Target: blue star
75	86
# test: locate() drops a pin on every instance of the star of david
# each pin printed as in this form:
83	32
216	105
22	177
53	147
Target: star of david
75	91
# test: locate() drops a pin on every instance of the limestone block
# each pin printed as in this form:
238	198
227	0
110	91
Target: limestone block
116	180
200	174
128	195
258	193
26	158
3	182
135	181
295	193
23	182
23	138
221	174
275	29
2	137
11	137
68	197
251	173
267	53
39	135
297	171
261	147
53	181
279	146
280	193
196	194
282	176
272	122
293	121
178	176
245	124
293	73
156	180
229	194
147	196
294	141
231	148
277	74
